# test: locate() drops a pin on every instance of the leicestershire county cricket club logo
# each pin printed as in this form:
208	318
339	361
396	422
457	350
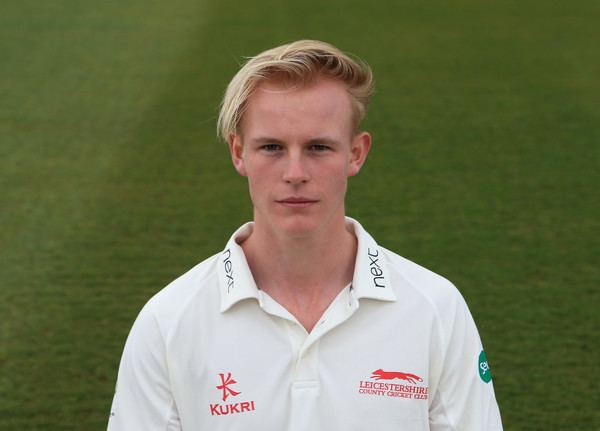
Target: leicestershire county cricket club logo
412	389
226	391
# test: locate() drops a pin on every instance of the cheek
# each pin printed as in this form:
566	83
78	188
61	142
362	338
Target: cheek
342	187
255	186
338	180
259	185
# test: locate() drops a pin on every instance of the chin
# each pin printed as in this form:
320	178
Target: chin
297	225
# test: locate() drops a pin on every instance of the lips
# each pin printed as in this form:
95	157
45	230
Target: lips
297	202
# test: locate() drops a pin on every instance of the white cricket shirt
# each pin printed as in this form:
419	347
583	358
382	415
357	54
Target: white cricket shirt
396	350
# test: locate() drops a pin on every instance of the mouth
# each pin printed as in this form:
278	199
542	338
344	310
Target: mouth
296	202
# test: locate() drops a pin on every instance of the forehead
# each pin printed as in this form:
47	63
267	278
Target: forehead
280	109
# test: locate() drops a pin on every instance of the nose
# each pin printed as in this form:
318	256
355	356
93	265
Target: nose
296	171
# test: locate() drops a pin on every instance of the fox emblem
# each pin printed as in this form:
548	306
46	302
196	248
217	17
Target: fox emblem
390	375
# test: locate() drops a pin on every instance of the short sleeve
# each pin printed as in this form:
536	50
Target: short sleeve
464	397
143	399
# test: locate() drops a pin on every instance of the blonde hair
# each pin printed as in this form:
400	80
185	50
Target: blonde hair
299	63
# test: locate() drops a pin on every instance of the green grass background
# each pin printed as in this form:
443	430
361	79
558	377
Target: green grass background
112	182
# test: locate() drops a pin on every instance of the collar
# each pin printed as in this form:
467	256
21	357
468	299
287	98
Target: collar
371	276
235	279
370	280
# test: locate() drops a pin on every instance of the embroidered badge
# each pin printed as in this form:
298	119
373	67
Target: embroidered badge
412	389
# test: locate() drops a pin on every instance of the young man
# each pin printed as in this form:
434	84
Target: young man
303	322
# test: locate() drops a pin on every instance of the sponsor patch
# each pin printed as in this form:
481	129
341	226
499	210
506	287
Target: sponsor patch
228	267
223	409
484	368
375	268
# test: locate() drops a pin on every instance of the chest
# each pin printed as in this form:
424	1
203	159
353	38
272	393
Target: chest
265	372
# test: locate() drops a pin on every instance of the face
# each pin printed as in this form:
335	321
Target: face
297	147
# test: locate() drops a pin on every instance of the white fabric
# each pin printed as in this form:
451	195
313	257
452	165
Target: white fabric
396	350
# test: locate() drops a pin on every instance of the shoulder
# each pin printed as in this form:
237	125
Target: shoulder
412	279
432	298
199	284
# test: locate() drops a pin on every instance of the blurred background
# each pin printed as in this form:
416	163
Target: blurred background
485	169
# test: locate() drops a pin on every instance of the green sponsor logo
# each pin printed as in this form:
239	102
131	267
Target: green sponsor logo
484	368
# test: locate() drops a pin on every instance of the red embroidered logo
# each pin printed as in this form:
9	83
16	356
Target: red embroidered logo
391	375
224	386
226	409
413	390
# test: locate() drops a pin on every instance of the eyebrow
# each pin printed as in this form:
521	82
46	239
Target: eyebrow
315	141
265	140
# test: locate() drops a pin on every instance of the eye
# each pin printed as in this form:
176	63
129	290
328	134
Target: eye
319	147
271	147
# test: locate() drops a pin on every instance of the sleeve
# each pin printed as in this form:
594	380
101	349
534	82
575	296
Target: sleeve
143	400
463	398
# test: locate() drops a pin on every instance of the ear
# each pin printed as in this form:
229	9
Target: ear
234	140
361	144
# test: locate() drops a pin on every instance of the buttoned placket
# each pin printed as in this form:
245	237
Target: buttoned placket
305	385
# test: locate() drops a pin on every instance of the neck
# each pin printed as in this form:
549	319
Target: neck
304	274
